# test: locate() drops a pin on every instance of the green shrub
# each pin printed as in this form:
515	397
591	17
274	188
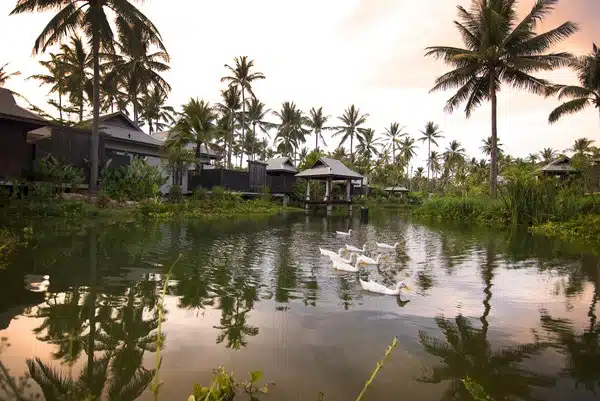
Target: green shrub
137	181
51	170
485	211
175	194
200	194
584	228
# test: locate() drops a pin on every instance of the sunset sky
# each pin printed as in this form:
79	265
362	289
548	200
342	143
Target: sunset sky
333	53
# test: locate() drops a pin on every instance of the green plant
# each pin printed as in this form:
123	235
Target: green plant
224	387
136	181
200	193
52	171
175	194
378	368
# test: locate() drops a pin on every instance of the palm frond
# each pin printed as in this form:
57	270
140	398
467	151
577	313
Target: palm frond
567	108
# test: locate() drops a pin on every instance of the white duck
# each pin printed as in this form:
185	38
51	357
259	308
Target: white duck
344	234
328	253
35	283
369	261
386	246
340	258
345	267
372	286
355	249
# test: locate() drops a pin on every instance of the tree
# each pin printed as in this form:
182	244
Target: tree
136	66
352	120
368	144
316	121
242	78
499	48
257	114
5	76
582	146
431	135
408	149
487	147
88	16
290	133
231	104
55	77
533	158
434	163
582	96
393	133
76	63
548	154
196	126
454	155
154	112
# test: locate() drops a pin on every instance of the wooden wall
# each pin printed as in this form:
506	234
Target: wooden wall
13	149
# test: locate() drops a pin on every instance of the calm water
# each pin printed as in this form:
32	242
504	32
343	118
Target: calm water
515	313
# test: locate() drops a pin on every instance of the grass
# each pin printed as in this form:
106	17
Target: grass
481	211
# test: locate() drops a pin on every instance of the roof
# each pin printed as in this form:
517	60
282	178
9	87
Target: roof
119	126
326	167
11	111
281	164
558	166
164	135
396	189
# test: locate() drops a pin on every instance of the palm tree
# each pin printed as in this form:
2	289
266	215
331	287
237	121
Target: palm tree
368	144
352	120
499	49
585	95
55	77
434	163
487	147
154	112
231	104
393	133
5	76
88	16
454	155
257	114
408	149
431	134
242	78
76	62
196	126
316	121
582	146
533	158
548	154
290	133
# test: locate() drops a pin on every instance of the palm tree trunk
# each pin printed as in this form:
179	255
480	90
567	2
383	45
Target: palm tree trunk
494	150
244	139
96	115
60	111
81	108
229	165
253	139
92	316
428	164
316	140
394	149
351	149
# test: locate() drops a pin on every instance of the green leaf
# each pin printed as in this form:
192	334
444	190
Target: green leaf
265	389
191	398
256	376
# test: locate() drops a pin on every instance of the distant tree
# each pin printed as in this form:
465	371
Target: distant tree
548	154
5	76
431	134
316	121
154	112
257	114
393	134
582	146
229	107
352	121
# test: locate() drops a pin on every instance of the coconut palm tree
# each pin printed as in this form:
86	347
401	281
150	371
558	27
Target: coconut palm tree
454	155
76	63
290	132
434	163
229	108
393	133
352	120
5	76
316	121
257	114
368	144
197	126
90	17
582	146
55	77
408	149
533	158
154	112
548	154
487	147
499	48
242	78
582	96
431	134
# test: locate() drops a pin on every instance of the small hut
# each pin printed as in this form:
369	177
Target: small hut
329	170
397	190
281	175
560	167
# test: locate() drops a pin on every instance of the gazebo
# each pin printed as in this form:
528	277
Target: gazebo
329	170
396	190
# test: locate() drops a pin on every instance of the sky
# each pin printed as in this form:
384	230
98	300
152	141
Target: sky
333	53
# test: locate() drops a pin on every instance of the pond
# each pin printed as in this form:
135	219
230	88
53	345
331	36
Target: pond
515	313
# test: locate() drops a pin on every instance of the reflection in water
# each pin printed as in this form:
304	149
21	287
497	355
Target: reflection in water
255	278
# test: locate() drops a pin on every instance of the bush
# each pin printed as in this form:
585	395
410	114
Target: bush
175	194
52	170
484	211
583	228
137	181
200	194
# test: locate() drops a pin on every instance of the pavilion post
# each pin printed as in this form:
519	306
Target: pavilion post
348	189
327	189
306	205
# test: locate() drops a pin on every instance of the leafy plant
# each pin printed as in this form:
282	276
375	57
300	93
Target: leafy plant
137	181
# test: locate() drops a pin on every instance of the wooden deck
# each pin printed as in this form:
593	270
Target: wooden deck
328	202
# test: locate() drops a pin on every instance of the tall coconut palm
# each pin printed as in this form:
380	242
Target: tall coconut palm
408	149
154	112
242	78
431	134
499	48
393	134
454	155
257	114
434	163
5	75
487	148
290	132
533	158
76	63
229	108
368	144
55	78
548	154
137	65
90	17
196	126
582	146
316	121
352	120
582	96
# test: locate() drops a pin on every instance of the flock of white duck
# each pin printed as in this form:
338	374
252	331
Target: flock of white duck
357	259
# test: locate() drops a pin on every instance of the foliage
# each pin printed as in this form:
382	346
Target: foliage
484	211
585	228
136	181
224	387
51	171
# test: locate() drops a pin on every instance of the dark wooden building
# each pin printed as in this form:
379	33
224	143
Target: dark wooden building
281	175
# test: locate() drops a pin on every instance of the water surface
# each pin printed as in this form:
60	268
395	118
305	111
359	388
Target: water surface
515	313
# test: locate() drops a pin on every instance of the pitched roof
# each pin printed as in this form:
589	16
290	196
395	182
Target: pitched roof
326	167
396	189
281	164
11	111
127	130
560	165
164	135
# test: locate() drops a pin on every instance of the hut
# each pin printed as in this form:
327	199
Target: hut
560	167
396	190
329	170
281	175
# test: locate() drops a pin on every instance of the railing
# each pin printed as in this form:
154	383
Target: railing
238	181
